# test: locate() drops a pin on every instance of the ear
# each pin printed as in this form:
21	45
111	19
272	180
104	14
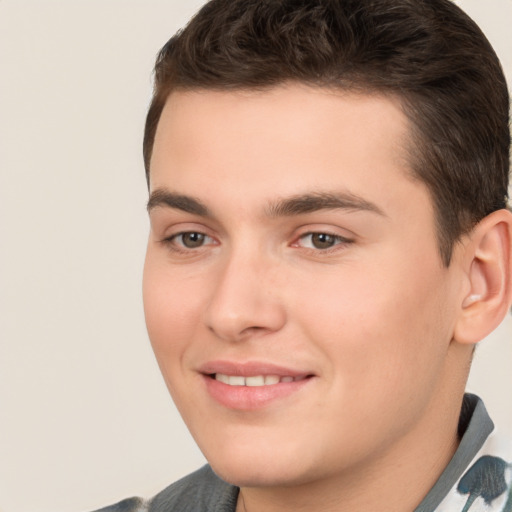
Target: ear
488	264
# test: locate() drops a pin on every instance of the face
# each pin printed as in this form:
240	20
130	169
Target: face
294	294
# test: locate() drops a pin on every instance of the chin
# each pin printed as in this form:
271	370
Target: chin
262	474
260	464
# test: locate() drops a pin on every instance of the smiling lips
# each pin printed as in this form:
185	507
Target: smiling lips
256	380
251	386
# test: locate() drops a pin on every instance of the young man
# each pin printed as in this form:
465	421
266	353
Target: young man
329	241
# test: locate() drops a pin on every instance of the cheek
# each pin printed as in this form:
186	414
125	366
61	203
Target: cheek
383	345
381	326
170	309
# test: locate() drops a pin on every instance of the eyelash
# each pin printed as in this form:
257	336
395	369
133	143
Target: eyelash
337	240
179	247
176	246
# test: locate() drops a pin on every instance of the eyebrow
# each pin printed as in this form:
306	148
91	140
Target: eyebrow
162	197
308	203
295	205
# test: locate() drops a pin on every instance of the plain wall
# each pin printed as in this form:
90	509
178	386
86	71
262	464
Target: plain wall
85	419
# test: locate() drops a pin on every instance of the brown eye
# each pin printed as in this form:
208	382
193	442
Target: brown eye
322	240
192	240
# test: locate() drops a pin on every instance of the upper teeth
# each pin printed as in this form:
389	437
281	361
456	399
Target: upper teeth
257	380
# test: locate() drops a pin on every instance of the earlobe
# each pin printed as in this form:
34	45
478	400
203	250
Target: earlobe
489	272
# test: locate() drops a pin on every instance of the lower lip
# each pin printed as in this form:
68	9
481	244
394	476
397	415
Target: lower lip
248	398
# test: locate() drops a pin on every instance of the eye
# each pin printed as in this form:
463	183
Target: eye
321	241
190	239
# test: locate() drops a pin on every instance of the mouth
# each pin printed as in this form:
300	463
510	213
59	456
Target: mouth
252	386
255	380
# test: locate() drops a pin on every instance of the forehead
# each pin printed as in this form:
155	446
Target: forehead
290	111
286	140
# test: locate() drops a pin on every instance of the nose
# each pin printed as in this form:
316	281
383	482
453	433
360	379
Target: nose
245	301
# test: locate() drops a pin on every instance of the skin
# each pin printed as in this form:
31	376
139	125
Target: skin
369	313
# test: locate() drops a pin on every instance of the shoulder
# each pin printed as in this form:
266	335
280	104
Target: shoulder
127	505
484	481
200	491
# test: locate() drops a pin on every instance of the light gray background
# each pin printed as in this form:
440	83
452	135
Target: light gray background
85	419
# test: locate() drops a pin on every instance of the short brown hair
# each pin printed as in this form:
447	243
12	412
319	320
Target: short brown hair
428	53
